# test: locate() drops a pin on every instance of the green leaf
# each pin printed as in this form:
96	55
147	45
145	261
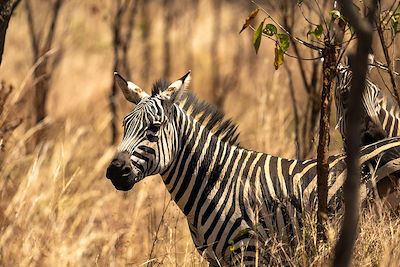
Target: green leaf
317	32
278	56
257	36
335	14
283	41
270	29
249	19
394	23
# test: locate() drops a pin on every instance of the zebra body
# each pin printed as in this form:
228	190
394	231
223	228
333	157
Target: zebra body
381	116
235	200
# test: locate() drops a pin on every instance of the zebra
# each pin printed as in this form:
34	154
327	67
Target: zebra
235	200
381	116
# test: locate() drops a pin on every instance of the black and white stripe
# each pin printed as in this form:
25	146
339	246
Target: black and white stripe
236	200
381	112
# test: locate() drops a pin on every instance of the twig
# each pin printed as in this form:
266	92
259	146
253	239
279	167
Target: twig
157	231
286	53
32	31
305	18
384	67
309	45
388	60
321	15
295	110
51	31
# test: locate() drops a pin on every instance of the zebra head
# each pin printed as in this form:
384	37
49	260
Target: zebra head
148	145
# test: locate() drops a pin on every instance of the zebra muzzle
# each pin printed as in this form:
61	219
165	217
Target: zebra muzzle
122	173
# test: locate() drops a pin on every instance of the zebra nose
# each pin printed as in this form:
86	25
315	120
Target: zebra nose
119	167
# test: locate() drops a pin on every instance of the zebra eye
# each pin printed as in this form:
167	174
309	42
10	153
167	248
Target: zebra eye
154	127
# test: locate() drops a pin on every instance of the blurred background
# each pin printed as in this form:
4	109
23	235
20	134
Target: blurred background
61	118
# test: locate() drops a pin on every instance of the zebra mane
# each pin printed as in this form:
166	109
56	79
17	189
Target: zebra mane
206	114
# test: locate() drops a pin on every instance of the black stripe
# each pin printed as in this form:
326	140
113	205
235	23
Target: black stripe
285	165
172	168
273	174
234	227
186	153
201	175
148	150
191	167
211	208
140	156
241	186
217	215
212	180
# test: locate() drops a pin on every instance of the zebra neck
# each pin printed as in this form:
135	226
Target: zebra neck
197	166
389	117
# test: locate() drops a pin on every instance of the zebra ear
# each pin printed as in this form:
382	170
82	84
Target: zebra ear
176	89
131	91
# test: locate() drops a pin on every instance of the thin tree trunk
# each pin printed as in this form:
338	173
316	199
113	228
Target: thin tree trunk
348	235
147	47
122	37
44	70
295	111
167	6
310	85
194	6
6	10
331	54
329	72
218	96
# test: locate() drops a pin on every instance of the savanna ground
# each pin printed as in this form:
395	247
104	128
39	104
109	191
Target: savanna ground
56	206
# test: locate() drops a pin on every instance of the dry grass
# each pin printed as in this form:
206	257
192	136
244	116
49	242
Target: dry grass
57	208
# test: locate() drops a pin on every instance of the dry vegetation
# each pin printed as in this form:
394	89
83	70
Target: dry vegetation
56	206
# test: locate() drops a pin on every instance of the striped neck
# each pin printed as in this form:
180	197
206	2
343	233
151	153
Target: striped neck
198	163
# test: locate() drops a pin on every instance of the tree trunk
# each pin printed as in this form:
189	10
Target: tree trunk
348	235
167	6
331	54
218	96
7	8
122	36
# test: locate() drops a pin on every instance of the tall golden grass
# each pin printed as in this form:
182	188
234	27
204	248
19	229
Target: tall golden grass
56	206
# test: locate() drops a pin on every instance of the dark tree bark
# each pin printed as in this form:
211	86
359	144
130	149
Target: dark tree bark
331	54
122	37
41	45
363	30
7	8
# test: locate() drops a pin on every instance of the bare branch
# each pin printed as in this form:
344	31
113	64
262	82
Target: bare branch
32	31
309	45
50	35
387	58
